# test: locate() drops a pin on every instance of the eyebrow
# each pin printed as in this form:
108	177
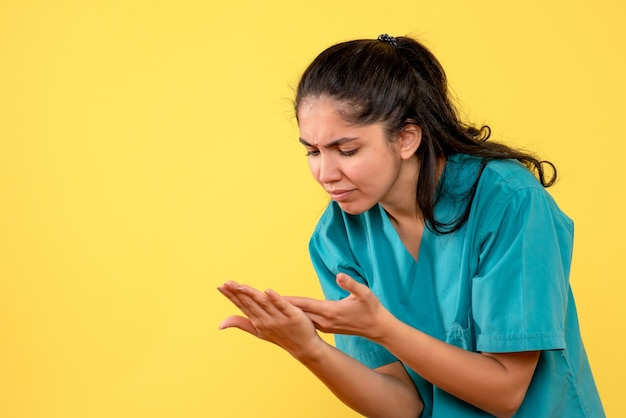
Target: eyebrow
332	144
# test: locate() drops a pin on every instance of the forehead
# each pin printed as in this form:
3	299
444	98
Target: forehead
314	107
321	120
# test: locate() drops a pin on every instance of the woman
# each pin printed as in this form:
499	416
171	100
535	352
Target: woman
443	260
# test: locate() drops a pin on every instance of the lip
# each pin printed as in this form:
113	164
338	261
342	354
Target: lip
339	195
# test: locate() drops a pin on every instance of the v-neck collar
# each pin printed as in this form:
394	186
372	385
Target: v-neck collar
391	231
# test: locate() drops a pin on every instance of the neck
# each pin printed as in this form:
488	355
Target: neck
401	205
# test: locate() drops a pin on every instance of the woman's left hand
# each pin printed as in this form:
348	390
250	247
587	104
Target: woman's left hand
360	313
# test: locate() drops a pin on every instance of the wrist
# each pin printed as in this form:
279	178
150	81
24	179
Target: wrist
384	325
310	352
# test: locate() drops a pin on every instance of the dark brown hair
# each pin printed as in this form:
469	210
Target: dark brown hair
379	82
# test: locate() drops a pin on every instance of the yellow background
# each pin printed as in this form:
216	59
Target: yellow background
148	153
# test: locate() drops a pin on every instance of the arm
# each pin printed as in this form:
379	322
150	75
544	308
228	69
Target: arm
385	392
496	383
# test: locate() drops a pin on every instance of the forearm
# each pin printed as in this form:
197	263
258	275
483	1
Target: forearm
272	318
367	391
476	378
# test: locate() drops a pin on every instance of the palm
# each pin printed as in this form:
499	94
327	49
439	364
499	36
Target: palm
270	317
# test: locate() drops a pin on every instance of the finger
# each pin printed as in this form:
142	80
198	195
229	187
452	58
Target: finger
252	300
232	291
306	304
265	305
229	287
260	307
349	284
229	293
321	322
282	303
238	322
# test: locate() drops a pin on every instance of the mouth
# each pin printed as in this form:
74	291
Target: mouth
339	195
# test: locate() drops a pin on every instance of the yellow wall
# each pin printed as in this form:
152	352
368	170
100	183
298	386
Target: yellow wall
148	153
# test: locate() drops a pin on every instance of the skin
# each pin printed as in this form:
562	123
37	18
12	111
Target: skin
359	165
386	392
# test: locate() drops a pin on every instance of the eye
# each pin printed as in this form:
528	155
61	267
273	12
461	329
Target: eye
348	153
312	152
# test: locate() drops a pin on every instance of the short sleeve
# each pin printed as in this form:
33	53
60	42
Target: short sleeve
520	293
331	253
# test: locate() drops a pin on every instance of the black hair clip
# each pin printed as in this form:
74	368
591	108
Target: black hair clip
389	39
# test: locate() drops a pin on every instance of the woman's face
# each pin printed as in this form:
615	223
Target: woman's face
355	164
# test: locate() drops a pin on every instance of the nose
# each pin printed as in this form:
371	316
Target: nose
328	170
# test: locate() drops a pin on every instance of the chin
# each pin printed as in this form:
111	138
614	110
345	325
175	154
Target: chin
353	209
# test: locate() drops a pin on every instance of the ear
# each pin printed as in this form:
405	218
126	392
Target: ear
409	140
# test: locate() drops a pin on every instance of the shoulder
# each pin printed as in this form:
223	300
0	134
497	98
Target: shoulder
332	224
332	234
511	176
504	175
505	190
497	181
508	194
336	226
332	215
508	183
347	238
341	243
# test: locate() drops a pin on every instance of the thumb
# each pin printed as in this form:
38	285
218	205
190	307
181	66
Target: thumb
240	322
349	284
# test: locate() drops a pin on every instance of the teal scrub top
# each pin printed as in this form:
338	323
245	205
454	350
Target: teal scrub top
499	284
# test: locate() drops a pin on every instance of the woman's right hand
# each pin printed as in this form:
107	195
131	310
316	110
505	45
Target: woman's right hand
271	317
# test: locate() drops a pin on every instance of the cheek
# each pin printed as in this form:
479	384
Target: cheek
356	171
382	171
